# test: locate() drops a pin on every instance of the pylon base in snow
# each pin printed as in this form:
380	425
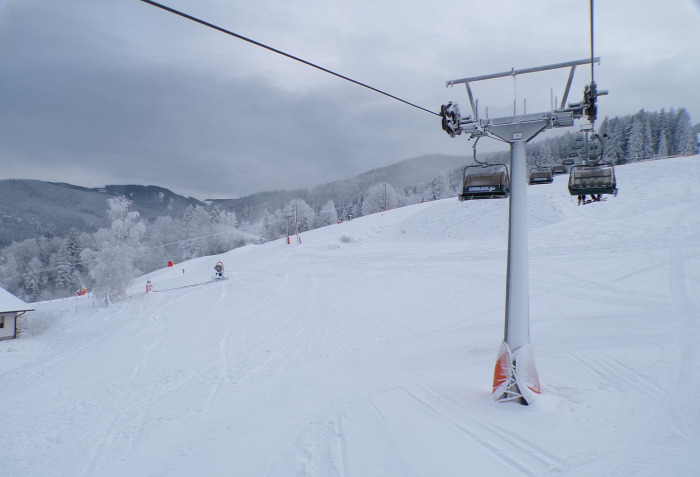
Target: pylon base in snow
170	263
515	376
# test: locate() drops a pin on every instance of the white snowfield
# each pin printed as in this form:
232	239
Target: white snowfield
369	350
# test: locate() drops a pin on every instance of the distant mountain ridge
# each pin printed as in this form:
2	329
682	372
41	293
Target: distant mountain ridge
30	208
406	173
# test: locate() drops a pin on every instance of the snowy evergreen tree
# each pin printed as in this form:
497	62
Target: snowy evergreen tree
663	149
684	142
669	126
635	141
73	248
33	279
614	150
648	145
64	271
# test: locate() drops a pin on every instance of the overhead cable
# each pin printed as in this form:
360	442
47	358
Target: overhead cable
275	50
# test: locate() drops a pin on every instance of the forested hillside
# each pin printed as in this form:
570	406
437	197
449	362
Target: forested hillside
31	208
631	138
102	237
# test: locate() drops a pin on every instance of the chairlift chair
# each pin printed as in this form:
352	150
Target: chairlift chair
541	177
558	169
481	181
569	161
592	179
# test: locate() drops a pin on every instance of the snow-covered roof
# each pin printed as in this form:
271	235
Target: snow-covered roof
9	302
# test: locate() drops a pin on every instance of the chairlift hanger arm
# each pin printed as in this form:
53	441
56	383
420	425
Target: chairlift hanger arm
565	96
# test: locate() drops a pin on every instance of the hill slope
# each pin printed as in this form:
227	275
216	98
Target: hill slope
368	350
29	208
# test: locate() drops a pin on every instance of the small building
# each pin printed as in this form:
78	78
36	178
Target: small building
11	307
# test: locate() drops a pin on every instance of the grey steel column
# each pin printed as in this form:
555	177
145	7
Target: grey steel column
517	325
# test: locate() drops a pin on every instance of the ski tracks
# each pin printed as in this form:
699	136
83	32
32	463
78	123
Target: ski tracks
135	408
684	255
517	452
405	430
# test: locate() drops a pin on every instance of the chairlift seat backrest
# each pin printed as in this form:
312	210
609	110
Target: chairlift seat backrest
495	178
596	179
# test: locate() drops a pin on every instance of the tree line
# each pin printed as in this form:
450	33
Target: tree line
49	267
626	139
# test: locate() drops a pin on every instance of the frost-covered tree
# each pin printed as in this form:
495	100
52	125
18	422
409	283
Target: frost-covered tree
20	273
125	224
614	144
73	248
161	243
683	135
114	264
662	150
378	198
64	274
196	232
404	197
440	187
34	279
635	141
648	145
112	268
274	225
327	215
224	232
304	215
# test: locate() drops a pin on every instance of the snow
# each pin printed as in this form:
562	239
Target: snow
9	302
369	348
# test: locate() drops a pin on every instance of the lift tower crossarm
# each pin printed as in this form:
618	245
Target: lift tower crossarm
515	72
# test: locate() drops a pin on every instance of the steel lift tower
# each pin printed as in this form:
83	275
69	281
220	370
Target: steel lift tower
515	376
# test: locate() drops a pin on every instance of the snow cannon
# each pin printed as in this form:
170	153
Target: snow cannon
219	270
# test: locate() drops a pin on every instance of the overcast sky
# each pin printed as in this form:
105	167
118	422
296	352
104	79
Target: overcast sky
96	92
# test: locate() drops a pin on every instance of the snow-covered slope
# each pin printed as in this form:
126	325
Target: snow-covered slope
368	350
